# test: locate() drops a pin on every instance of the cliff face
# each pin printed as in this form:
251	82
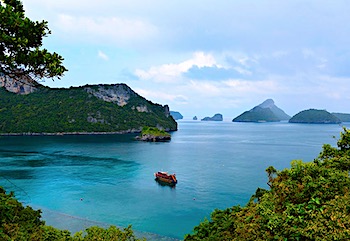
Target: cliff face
23	86
118	94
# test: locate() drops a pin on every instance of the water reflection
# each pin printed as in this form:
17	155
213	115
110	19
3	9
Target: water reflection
165	184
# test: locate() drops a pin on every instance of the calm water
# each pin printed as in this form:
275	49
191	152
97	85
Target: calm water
109	179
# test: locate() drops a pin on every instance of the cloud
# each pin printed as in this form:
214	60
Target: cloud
124	31
172	72
215	73
162	96
102	55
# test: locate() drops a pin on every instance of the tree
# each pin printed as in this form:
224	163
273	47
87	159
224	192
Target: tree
21	39
24	223
308	201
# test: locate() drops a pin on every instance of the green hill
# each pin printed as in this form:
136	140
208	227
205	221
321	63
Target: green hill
257	114
313	116
87	109
265	112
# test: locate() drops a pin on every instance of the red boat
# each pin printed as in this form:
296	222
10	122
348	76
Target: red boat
166	178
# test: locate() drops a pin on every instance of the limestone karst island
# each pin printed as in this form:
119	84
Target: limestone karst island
90	109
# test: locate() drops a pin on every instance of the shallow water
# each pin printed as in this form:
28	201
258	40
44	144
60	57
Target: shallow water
109	178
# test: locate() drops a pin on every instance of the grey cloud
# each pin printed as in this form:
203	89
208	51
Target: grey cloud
212	73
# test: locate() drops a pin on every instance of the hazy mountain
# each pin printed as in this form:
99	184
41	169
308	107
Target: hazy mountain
176	115
342	116
265	112
216	117
313	116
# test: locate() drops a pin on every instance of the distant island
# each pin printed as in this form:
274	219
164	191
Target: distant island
342	117
313	116
195	118
265	112
216	117
90	109
176	115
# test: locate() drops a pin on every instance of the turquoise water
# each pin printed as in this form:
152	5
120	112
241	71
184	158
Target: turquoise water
109	178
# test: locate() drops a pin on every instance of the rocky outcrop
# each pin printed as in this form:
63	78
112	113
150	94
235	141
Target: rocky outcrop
118	93
153	138
216	117
166	110
153	134
25	85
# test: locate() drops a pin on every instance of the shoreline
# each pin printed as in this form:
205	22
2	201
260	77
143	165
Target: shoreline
132	131
75	224
70	133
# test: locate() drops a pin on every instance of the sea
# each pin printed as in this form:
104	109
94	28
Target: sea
84	180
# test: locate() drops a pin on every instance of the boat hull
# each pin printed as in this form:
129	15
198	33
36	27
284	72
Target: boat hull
160	179
166	178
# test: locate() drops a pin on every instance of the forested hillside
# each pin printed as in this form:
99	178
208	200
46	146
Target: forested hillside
309	201
75	110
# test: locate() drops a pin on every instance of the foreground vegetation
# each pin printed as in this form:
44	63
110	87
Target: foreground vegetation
24	223
309	201
21	51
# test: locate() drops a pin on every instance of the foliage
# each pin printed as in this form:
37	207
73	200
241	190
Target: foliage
74	110
314	116
24	223
20	45
154	131
308	201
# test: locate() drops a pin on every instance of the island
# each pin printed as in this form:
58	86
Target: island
89	109
176	115
216	117
195	118
265	112
314	116
153	134
343	117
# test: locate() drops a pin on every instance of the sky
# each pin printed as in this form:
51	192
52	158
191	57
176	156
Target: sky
204	57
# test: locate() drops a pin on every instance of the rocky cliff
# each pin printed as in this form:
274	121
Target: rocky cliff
25	85
118	94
